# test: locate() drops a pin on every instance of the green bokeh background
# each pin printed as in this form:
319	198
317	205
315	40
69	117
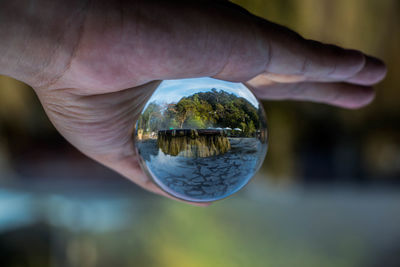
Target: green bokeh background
327	195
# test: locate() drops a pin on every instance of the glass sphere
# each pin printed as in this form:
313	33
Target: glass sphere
201	139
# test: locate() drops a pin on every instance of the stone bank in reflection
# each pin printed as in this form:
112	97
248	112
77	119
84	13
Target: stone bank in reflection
193	143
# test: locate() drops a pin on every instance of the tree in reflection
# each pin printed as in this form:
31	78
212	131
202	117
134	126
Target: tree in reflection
213	109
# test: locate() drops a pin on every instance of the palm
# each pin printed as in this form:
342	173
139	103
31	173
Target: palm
92	108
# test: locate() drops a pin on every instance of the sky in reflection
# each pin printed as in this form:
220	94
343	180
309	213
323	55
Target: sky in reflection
171	91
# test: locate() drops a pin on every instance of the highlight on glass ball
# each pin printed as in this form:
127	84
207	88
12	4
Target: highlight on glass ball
201	139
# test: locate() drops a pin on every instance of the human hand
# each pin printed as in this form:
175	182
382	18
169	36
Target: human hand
96	82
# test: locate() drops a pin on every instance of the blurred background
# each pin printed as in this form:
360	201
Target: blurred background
328	193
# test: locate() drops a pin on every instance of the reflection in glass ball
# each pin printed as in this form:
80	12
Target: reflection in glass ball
201	139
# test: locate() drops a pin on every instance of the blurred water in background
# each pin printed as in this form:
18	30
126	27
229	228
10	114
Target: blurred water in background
327	195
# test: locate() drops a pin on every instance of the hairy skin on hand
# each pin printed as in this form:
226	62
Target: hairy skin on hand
95	64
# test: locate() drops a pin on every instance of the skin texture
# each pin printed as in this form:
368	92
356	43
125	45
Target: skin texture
95	64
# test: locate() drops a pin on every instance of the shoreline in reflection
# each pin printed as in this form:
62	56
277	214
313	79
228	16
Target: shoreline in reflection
196	142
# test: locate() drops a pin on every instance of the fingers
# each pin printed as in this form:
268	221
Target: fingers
159	40
373	72
290	54
292	58
257	46
338	94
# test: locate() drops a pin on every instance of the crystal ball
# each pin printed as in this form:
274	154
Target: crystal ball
201	139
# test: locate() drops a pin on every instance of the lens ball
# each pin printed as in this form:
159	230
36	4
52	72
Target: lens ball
201	139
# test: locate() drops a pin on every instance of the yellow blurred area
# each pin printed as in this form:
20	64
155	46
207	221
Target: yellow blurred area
15	100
